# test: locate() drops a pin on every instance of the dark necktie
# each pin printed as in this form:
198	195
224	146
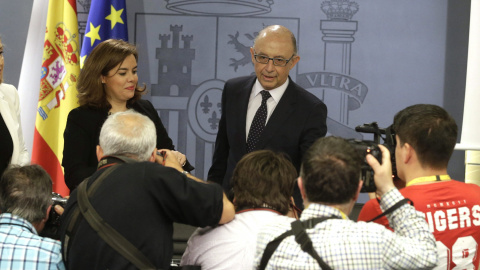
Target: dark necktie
258	123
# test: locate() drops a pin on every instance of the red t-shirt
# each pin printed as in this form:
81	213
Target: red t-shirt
452	211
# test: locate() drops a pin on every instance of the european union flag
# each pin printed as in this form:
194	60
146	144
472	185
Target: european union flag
106	19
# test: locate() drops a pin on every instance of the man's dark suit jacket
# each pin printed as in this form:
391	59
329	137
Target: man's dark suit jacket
297	121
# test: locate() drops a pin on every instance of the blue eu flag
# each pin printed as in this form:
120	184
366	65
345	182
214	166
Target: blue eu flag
106	19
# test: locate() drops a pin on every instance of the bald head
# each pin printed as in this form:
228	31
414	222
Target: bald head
278	31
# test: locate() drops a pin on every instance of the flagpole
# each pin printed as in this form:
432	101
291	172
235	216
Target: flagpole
29	84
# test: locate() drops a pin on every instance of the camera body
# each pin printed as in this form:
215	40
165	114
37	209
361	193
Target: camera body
53	223
371	147
363	149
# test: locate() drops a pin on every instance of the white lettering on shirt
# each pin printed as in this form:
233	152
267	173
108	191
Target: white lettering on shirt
440	223
464	217
454	218
476	214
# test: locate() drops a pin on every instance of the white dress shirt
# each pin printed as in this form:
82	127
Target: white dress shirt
232	245
256	100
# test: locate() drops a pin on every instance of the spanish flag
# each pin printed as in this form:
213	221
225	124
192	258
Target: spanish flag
58	93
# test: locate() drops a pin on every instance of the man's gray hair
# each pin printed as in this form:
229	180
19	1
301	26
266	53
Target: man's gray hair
128	134
26	192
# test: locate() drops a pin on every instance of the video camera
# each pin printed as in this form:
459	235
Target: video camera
365	147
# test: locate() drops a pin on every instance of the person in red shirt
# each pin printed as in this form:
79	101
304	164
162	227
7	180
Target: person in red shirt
425	138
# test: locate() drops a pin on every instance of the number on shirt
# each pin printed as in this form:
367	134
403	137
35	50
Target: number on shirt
462	253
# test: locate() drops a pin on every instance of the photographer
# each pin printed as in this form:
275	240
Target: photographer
263	184
425	139
329	183
25	203
137	201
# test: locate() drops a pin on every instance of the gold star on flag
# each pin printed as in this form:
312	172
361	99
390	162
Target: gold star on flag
93	34
115	16
82	60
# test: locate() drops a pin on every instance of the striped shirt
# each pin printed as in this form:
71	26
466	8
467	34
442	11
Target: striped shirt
345	244
22	248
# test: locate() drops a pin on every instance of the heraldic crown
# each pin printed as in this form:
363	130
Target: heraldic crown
339	10
258	3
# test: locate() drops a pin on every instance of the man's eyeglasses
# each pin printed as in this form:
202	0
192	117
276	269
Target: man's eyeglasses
263	59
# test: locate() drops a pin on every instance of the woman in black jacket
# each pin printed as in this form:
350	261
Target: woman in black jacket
107	84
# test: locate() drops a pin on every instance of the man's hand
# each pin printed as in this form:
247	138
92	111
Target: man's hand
59	210
167	158
182	159
383	172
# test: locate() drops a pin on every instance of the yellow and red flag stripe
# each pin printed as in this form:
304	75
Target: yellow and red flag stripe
58	92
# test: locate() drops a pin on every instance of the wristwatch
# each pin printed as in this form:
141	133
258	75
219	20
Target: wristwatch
185	172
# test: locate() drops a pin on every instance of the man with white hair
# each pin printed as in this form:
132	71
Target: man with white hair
139	198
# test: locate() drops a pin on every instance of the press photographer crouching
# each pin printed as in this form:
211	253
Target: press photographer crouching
25	203
122	216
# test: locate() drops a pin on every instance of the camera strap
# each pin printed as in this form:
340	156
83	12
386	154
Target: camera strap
111	236
301	237
393	208
72	225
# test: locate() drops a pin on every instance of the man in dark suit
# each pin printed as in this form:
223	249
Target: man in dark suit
285	117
